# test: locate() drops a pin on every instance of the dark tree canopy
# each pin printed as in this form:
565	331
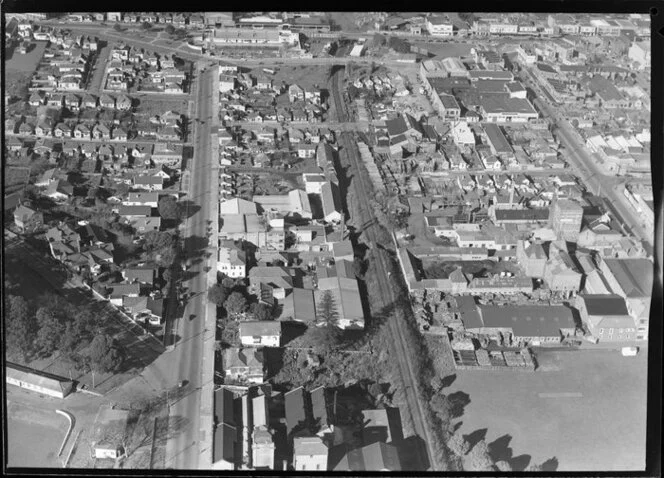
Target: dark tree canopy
20	327
104	354
217	295
169	208
50	330
235	304
261	311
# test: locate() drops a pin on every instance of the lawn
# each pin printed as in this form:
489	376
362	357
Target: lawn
303	76
27	62
443	50
15	178
150	105
588	411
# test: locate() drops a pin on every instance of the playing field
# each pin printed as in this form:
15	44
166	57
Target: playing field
588	410
34	436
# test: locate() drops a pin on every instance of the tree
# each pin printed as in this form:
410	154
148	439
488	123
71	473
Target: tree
117	27
261	311
479	459
165	257
378	40
217	295
168	208
155	240
467	17
327	314
170	29
458	444
146	25
84	324
398	45
235	304
104	354
50	330
20	327
323	339
69	340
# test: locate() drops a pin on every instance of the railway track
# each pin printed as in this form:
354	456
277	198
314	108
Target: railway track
404	364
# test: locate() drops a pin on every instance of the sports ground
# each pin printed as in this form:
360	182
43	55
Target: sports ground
586	408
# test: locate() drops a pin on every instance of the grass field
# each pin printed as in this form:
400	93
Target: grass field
444	50
27	62
303	76
589	411
34	436
15	178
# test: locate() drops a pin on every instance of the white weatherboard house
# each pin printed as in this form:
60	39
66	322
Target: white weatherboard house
263	333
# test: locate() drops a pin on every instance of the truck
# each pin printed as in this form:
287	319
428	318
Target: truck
629	351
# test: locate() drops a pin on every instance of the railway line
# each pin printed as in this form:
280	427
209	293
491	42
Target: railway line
404	365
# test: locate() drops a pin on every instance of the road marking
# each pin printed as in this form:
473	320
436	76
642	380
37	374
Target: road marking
561	395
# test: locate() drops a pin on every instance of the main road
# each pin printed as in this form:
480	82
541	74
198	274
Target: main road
607	186
195	330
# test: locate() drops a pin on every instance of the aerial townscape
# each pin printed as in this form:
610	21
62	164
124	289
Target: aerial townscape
327	241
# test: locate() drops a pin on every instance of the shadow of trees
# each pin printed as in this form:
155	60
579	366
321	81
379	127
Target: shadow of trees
188	208
474	437
499	450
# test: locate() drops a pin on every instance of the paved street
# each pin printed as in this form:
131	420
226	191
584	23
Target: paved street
586	166
183	450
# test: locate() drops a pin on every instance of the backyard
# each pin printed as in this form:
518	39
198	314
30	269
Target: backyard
583	397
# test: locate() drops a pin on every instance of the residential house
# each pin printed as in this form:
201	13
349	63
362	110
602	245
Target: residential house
82	131
244	365
150	183
59	190
72	102
123	103
260	333
142	199
36	99
309	454
145	224
27	219
118	291
142	275
101	131
376	457
106	101
62	130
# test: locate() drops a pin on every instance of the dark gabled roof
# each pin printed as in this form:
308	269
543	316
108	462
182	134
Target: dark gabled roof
319	407
225	437
223	407
522	214
604	304
470	315
635	276
529	321
295	413
141	274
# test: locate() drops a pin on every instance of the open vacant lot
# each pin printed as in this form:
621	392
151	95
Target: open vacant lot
27	62
589	411
303	76
34	436
443	50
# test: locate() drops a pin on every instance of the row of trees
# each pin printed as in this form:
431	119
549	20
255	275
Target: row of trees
59	326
